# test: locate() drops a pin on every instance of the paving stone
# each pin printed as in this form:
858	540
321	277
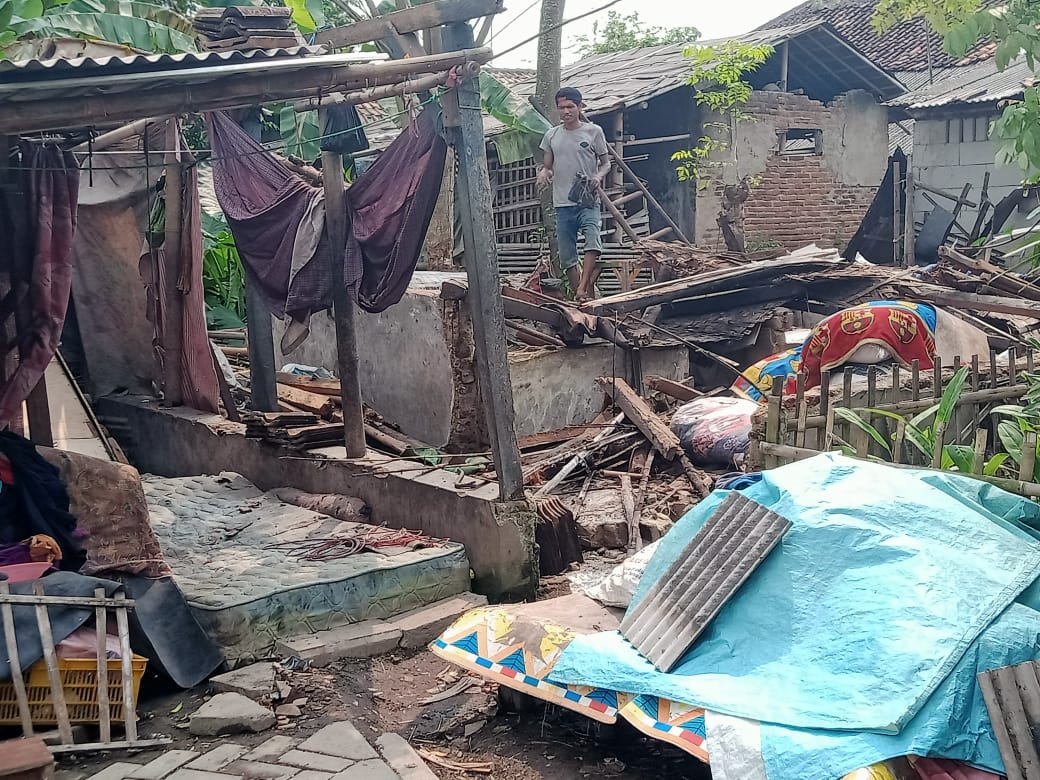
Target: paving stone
255	681
288	711
358	640
421	626
340	739
117	771
194	774
259	770
367	770
164	765
272	748
310	774
318	761
218	758
402	758
230	713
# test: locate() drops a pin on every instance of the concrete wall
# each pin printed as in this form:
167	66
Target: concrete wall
801	199
417	371
557	388
499	538
953	150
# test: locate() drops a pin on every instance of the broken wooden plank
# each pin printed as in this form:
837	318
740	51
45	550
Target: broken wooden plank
321	405
648	423
311	385
532	337
1012	696
941	296
671	388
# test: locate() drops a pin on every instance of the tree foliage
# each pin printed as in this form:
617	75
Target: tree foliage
624	33
718	78
1014	29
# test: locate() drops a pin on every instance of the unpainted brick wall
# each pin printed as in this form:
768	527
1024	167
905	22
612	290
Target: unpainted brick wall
802	199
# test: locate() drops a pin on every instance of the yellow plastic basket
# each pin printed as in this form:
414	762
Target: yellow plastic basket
79	685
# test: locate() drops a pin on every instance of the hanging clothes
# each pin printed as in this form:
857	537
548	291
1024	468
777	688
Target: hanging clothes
199	388
390	207
38	223
278	219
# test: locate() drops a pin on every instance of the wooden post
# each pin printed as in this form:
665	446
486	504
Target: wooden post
263	388
481	257
173	311
617	178
897	206
784	56
909	229
38	410
343	305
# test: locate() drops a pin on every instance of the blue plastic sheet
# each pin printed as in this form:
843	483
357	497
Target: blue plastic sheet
885	579
953	723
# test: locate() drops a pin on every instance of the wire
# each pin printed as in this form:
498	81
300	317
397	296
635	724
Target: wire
516	18
555	27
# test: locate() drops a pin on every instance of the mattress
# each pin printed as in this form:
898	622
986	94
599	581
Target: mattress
217	532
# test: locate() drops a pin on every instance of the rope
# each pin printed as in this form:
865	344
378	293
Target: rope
335	547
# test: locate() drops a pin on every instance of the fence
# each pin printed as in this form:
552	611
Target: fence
892	415
75	690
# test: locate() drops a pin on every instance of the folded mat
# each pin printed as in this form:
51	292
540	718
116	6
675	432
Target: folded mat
860	613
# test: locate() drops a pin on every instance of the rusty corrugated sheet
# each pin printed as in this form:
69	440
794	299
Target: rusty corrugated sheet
975	84
733	542
1012	695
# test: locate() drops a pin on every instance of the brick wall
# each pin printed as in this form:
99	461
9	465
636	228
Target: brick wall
798	202
807	198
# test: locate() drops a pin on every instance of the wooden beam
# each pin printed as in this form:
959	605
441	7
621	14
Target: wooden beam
321	405
673	389
173	312
649	195
343	307
409	20
972	302
239	88
648	423
263	388
485	296
406	87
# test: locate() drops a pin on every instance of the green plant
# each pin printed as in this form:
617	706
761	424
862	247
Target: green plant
915	431
717	76
624	33
1022	419
223	275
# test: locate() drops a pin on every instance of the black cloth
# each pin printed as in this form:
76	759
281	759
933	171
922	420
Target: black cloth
38	502
64	620
343	131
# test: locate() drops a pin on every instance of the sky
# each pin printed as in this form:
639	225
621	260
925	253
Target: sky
714	19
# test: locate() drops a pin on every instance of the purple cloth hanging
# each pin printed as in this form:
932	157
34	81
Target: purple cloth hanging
39	227
390	208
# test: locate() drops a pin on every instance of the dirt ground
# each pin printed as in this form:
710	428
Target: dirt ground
384	694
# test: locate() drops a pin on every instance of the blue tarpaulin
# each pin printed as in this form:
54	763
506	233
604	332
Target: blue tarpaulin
885	579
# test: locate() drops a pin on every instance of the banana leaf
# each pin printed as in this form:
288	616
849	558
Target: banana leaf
526	125
139	10
114	28
308	14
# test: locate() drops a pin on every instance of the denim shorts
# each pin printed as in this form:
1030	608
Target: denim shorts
574	221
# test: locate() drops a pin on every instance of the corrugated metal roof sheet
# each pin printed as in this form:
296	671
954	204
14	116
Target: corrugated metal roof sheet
820	62
24	70
734	541
973	84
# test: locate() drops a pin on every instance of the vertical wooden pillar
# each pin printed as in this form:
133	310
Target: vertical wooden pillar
478	230
173	311
263	388
785	51
897	215
343	306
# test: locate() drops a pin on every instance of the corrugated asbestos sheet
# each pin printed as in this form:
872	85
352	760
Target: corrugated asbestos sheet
973	84
737	537
1012	696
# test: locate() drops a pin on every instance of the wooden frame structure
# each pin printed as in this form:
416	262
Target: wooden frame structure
119	605
809	423
318	81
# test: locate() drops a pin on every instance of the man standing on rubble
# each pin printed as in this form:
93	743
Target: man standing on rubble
575	162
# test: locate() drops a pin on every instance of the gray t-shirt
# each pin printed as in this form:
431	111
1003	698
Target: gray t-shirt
573	151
